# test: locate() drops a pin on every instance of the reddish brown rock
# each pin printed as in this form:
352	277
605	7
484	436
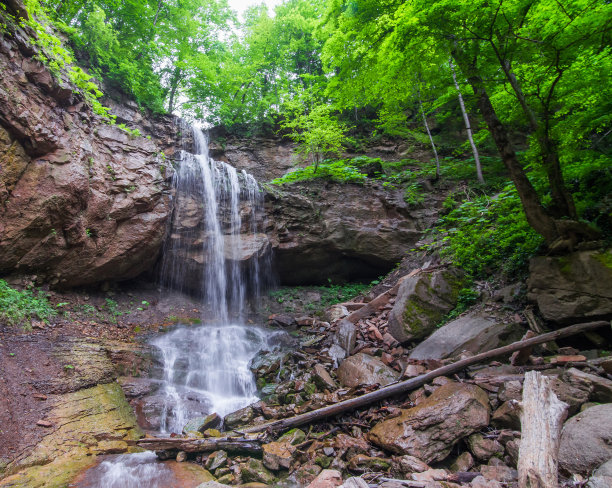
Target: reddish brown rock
362	369
429	430
81	201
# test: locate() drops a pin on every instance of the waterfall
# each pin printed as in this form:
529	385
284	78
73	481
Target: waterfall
214	230
205	252
215	249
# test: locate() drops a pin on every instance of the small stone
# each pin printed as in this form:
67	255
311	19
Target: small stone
181	457
211	433
355	482
413	370
510	390
216	460
328	478
567	359
481	482
507	416
431	475
483	448
323	378
464	462
502	473
44	423
362	463
411	464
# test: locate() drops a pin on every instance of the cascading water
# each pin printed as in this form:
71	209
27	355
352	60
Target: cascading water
214	247
206	368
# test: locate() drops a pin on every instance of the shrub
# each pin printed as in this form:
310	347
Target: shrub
17	307
485	234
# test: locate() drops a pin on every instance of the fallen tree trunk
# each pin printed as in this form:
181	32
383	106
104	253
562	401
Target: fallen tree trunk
231	444
413	383
542	416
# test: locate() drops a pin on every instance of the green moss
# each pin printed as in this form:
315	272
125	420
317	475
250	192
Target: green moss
604	258
565	265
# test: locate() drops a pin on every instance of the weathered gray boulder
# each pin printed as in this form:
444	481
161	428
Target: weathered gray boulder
422	300
602	476
573	287
473	332
362	369
429	430
586	440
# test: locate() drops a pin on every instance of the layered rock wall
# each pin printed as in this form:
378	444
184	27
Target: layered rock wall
81	201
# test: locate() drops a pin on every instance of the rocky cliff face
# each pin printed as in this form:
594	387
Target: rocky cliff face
320	229
81	200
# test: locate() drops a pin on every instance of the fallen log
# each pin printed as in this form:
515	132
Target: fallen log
230	444
542	416
413	383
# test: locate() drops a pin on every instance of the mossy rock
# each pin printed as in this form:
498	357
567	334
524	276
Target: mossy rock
422	301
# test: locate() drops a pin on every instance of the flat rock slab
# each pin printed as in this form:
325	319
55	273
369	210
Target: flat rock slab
422	300
474	333
362	369
429	430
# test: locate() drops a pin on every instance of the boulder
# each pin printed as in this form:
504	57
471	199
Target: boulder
254	471
598	389
586	440
474	333
422	300
602	476
200	424
362	369
575	287
429	430
239	417
278	455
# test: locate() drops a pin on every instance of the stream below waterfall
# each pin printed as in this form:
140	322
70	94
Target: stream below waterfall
204	369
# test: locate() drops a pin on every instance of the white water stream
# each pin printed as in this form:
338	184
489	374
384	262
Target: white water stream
205	368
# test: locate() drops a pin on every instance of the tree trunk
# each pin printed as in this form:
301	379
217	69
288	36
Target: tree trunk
176	79
467	126
542	417
232	444
433	145
562	199
538	218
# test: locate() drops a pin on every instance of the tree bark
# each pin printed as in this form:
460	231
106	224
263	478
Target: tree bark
413	383
542	417
536	215
433	145
176	79
231	444
468	127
